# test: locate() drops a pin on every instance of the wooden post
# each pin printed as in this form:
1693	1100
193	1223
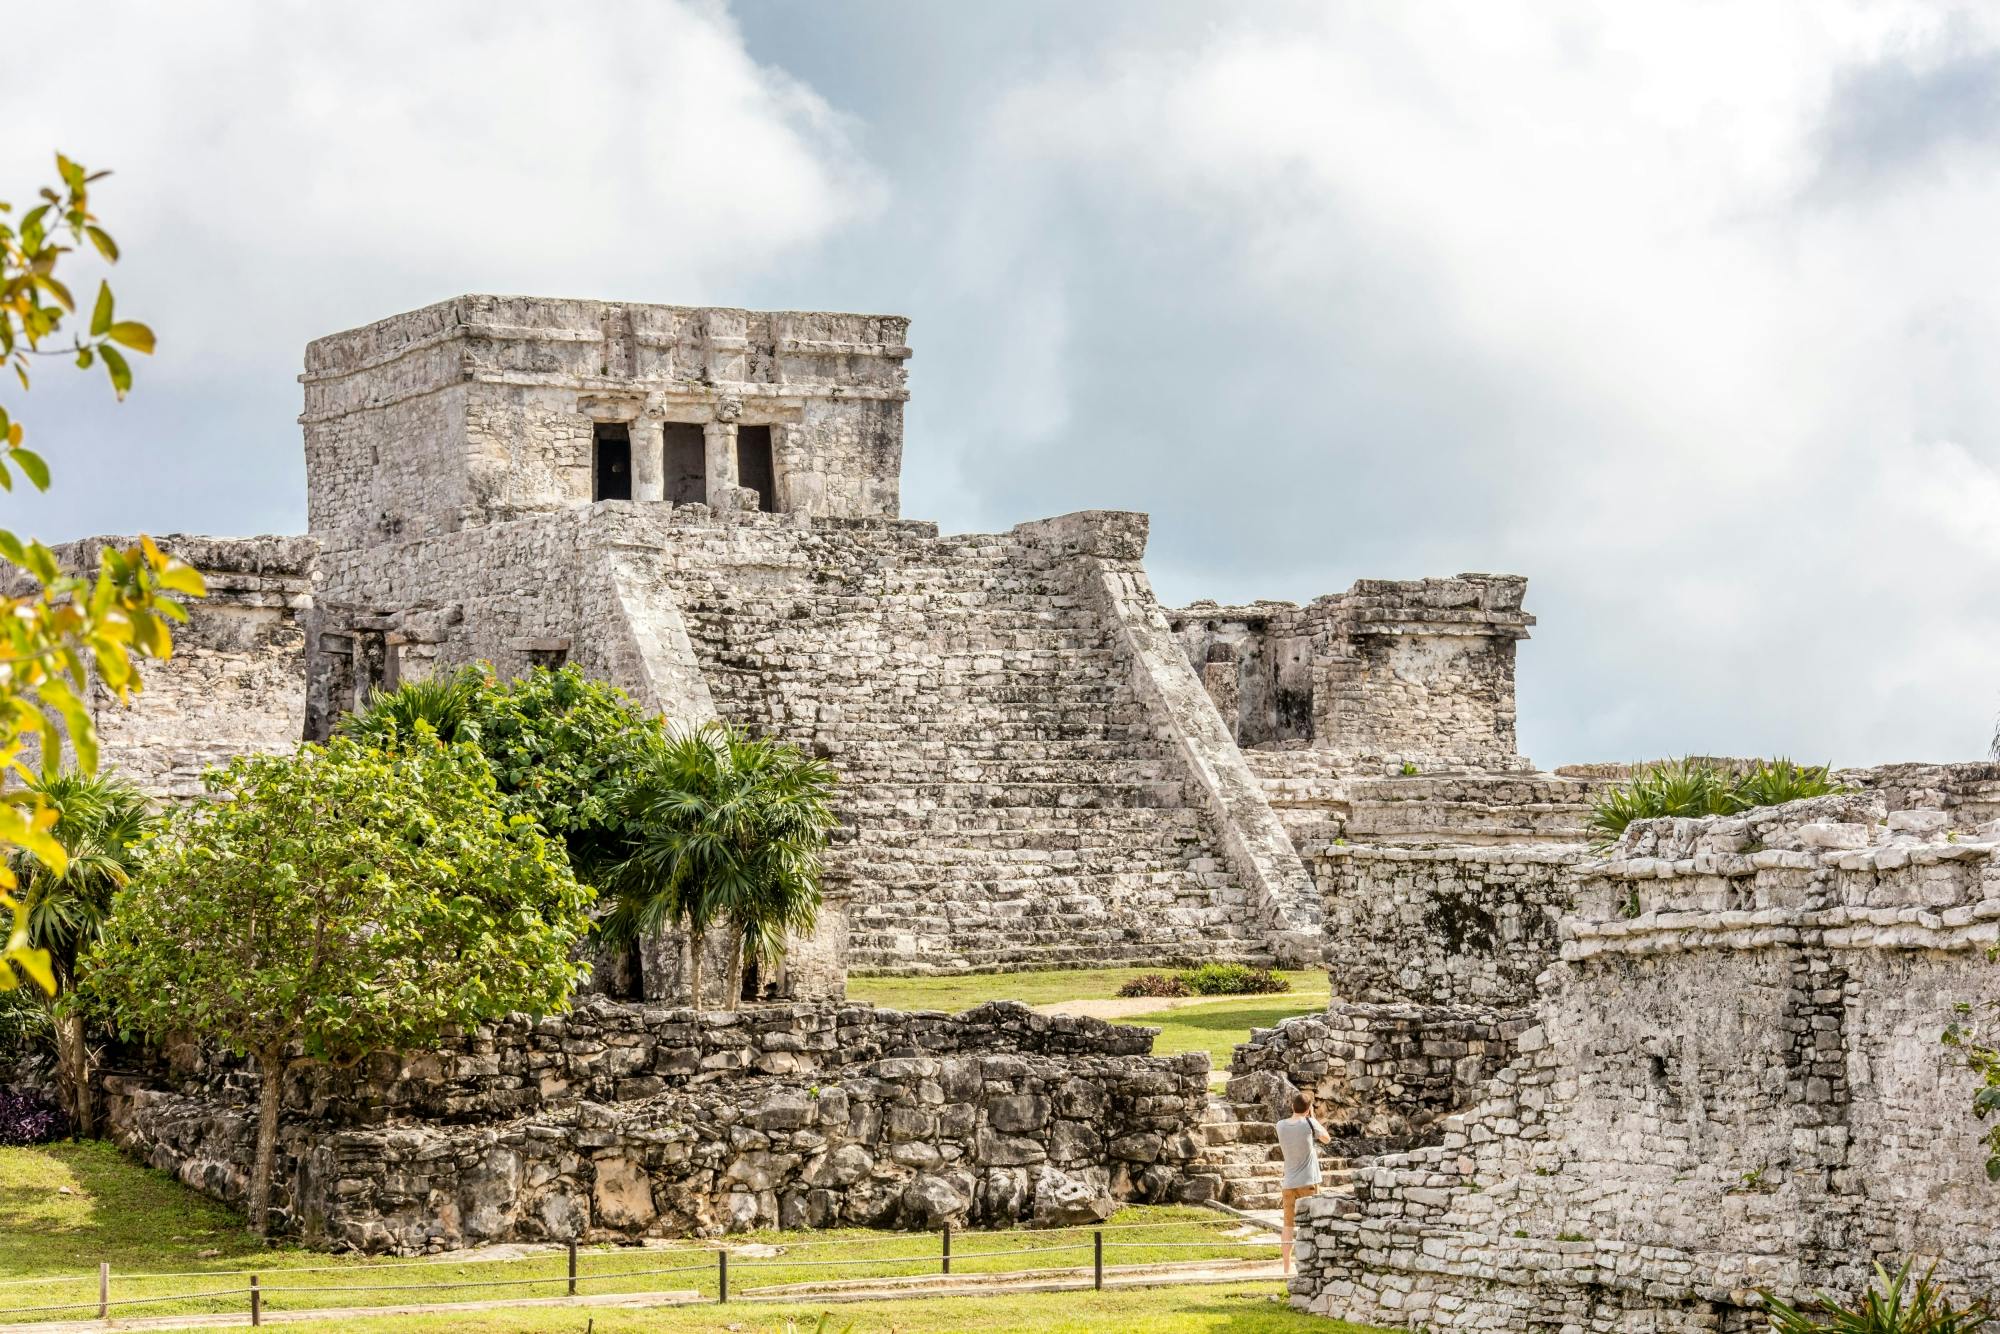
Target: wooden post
572	1266
1097	1259
722	1276
103	1289
947	1249
256	1302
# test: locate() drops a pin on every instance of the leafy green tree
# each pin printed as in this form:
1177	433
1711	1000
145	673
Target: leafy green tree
337	902
562	746
101	820
55	628
724	828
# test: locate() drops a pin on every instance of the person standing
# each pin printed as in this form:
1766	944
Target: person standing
1298	1135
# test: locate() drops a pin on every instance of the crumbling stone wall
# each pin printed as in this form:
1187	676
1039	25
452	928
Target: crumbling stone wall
1389	672
1734	1082
1442	926
618	1122
236	681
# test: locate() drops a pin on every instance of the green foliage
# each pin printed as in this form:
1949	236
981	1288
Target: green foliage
1893	1305
1232	979
724	827
335	902
343	898
562	747
1981	1057
1694	788
1154	984
53	638
101	821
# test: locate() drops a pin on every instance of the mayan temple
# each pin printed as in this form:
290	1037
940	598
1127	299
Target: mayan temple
1571	1087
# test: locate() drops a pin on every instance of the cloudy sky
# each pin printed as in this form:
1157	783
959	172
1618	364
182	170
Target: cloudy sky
1688	312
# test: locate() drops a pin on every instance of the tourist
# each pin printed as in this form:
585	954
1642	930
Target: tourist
1296	1134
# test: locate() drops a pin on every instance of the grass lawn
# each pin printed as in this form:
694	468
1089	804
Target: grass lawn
1211	1024
969	989
1233	1308
1216	1027
143	1221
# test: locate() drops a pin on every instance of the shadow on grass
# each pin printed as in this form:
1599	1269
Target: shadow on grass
136	1218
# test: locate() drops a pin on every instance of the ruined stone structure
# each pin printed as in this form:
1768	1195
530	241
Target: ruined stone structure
1733	1081
618	1122
1578	1092
702	505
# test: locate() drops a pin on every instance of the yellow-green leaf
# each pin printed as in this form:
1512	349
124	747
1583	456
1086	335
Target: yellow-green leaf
132	334
102	240
31	463
100	318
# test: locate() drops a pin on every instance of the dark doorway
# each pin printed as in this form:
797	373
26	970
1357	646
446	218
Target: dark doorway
753	465
611	463
687	464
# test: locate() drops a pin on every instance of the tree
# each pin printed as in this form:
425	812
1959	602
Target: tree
723	827
100	822
337	902
562	747
55	628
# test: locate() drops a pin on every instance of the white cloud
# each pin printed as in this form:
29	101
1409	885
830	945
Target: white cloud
298	162
1717	400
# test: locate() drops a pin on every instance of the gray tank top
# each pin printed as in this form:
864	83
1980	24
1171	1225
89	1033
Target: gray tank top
1295	1136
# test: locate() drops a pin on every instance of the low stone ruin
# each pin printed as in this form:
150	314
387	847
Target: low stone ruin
620	1122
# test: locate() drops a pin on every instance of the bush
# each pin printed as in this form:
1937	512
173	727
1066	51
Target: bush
562	747
1232	979
26	1117
1154	984
1894	1305
1694	788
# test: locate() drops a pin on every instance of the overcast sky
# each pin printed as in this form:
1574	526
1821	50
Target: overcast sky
1687	312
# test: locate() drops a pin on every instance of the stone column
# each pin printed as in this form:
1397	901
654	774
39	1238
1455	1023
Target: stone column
719	441
649	455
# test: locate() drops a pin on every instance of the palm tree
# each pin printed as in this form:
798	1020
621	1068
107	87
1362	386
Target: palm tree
100	820
723	828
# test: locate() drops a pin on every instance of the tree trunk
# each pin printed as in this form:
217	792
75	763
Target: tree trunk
73	1069
735	983
271	1079
695	943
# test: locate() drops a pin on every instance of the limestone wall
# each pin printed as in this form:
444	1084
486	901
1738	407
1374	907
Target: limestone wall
236	681
1734	1081
1391	671
1028	779
617	1122
486	407
1442	926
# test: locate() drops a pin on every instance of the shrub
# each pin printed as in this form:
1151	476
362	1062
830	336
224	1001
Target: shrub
1894	1305
1694	788
1232	979
1154	984
562	747
26	1117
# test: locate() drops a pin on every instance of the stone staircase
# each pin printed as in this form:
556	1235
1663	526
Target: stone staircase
1007	800
1240	1164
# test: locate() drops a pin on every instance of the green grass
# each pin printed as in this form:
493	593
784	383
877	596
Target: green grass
1231	1308
964	991
1211	1024
1217	1026
142	1221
